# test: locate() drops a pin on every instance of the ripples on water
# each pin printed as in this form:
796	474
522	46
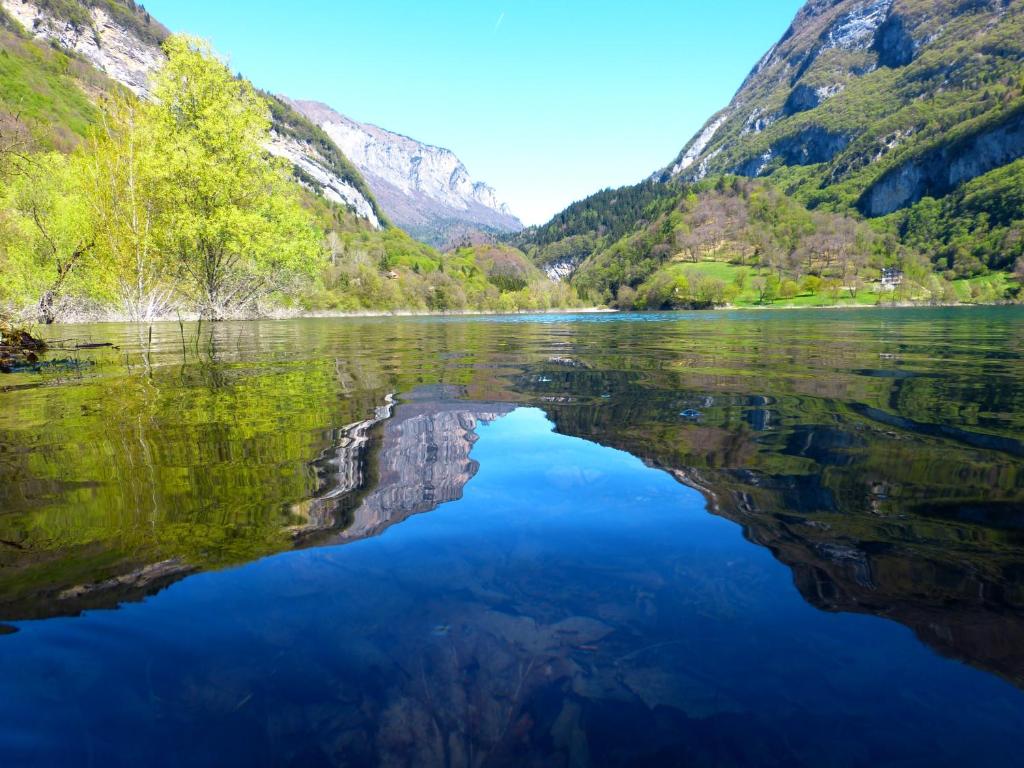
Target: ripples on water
704	538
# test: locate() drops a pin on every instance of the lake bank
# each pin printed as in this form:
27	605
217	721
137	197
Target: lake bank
192	317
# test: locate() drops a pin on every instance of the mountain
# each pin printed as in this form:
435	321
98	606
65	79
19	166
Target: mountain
888	131
426	190
883	107
122	41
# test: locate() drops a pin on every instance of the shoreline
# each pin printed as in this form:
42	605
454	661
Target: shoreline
409	313
319	315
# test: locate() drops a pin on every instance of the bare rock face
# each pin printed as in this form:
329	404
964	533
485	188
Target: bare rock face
894	43
329	185
426	190
938	172
106	45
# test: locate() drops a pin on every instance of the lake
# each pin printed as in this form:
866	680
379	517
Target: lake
726	538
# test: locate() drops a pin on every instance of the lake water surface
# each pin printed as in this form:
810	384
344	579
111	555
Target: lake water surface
753	538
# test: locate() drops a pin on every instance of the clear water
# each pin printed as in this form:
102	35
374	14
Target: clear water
786	538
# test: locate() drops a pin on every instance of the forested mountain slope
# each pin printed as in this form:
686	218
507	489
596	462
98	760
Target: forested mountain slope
121	40
880	107
77	80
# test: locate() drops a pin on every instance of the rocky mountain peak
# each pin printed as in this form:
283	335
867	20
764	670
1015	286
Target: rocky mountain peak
425	189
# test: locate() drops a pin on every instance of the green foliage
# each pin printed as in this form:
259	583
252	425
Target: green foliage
124	168
736	221
42	89
235	229
51	239
374	270
741	242
595	222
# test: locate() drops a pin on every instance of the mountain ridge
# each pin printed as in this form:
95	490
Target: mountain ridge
426	189
873	106
121	40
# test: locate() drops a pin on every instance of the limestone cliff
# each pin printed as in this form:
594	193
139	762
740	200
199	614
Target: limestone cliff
426	190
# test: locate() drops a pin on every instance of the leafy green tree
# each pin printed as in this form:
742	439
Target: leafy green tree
233	223
123	168
53	239
811	284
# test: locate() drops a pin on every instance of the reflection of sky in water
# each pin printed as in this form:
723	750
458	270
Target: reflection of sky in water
575	607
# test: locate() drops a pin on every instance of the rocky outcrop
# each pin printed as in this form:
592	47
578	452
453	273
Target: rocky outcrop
103	42
313	171
809	146
856	29
424	189
804	98
941	170
894	44
560	270
698	145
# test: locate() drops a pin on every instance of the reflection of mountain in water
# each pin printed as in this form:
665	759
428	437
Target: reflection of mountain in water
907	527
963	602
423	461
342	472
376	472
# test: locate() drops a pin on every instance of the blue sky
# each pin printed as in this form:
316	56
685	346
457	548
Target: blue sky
546	100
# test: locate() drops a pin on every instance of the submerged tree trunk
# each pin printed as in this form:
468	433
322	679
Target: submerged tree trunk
47	310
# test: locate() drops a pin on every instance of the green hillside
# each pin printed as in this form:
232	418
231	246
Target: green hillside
743	242
60	246
43	91
883	108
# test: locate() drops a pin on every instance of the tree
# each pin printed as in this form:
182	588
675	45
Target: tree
854	283
625	298
16	146
232	222
123	167
833	287
55	238
811	284
767	288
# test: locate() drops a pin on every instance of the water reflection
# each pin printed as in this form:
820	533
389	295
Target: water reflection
542	619
561	603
